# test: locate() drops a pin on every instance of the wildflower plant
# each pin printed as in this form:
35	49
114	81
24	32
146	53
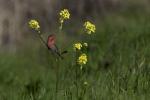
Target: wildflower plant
80	49
77	46
63	15
89	27
50	44
82	60
34	24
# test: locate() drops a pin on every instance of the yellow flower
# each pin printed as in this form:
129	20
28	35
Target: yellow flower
34	24
85	44
89	27
82	59
64	15
77	46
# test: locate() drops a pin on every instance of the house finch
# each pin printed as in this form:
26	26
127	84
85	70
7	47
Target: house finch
52	46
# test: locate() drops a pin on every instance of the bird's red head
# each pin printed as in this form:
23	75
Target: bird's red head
51	41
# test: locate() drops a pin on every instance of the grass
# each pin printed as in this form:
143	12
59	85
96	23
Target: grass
118	66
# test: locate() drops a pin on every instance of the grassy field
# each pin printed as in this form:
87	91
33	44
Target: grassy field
118	66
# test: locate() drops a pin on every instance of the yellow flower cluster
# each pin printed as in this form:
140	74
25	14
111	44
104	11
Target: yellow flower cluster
85	44
34	24
64	15
77	46
82	59
89	27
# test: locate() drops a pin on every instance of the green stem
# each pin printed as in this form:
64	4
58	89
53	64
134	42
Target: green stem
57	78
61	25
57	71
76	75
42	40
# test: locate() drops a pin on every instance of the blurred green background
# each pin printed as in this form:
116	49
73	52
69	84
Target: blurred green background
118	54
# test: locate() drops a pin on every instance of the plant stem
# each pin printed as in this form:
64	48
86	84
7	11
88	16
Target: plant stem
77	84
57	78
57	71
76	75
42	40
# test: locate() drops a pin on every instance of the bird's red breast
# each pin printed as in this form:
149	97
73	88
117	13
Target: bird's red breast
51	41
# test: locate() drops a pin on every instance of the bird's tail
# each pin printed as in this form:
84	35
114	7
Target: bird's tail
64	52
61	54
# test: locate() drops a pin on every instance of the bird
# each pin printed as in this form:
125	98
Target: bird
53	47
